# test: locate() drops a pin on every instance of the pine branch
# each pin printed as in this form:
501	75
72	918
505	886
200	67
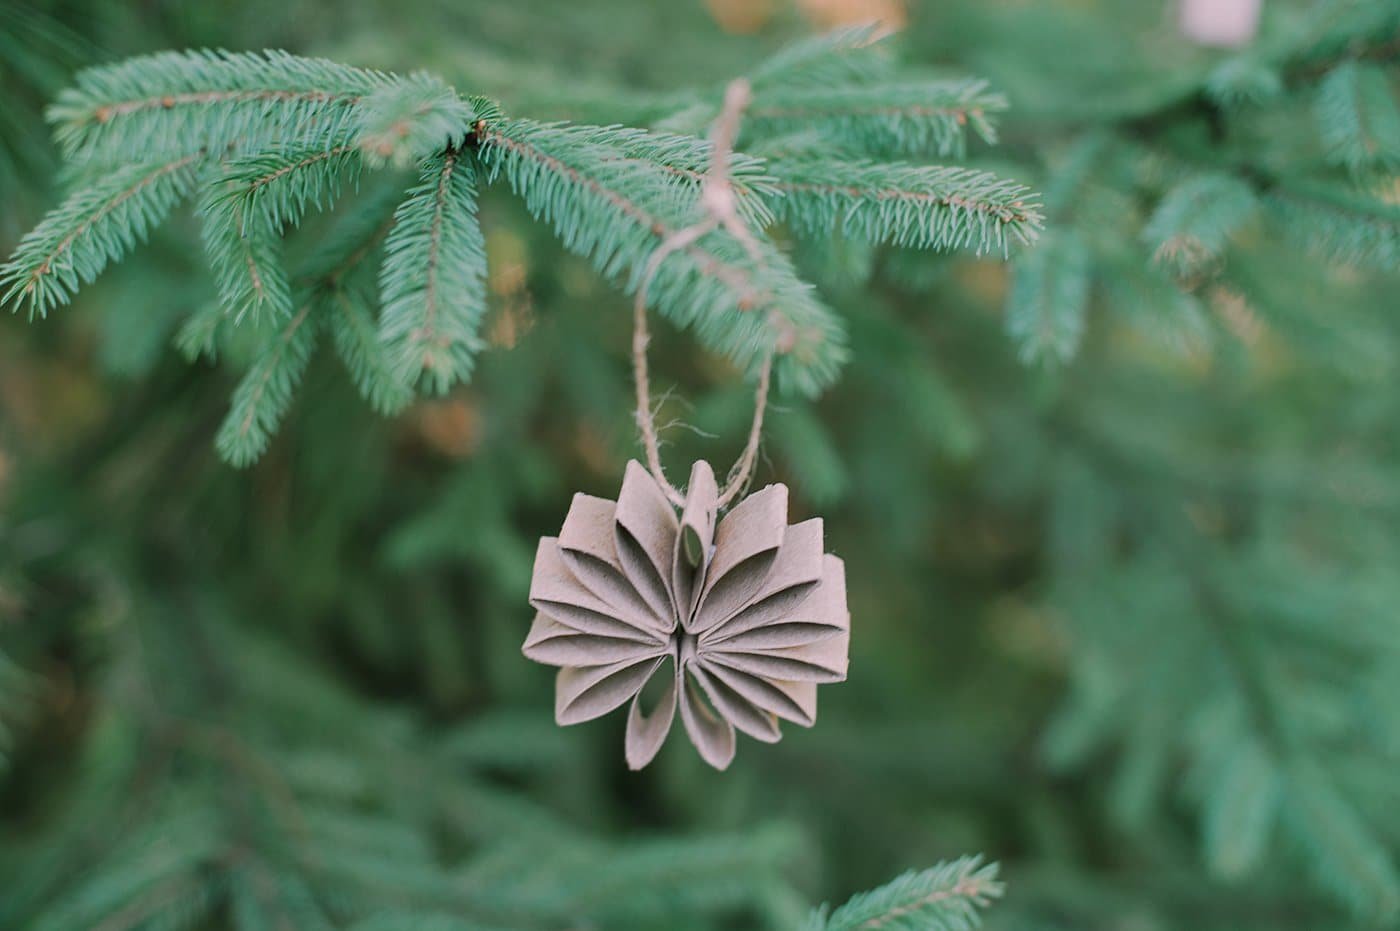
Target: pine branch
618	212
245	210
853	54
1342	226
655	879
338	272
341	253
1345	851
921	207
946	897
282	183
1049	298
410	120
96	225
687	160
433	276
265	392
879	119
1244	790
177	103
198	336
1194	222
156	868
353	329
1358	117
244	250
288	133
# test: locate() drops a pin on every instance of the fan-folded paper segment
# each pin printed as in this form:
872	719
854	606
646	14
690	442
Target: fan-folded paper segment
745	614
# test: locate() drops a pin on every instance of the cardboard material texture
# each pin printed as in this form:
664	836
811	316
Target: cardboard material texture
742	615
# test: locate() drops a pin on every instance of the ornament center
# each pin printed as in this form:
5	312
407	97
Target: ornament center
687	645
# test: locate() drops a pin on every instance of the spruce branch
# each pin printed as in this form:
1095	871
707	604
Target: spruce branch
1341	225
343	279
880	119
198	336
282	183
265	392
349	316
689	160
244	250
1348	854
181	102
1359	118
246	208
95	226
946	897
355	233
618	213
268	136
1195	220
907	205
433	276
410	120
1049	299
852	54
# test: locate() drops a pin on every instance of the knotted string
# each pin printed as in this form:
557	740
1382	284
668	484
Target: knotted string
721	210
742	470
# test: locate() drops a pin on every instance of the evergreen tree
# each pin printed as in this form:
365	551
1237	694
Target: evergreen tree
1117	512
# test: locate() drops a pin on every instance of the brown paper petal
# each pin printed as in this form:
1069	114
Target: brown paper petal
587	548
828	606
736	708
794	577
582	694
647	732
695	543
555	644
712	735
746	547
822	615
820	662
793	701
774	637
555	591
645	538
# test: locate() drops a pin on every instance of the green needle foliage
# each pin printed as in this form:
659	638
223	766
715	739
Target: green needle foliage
273	135
96	225
882	119
433	280
1117	498
1359	118
265	392
944	898
209	102
915	206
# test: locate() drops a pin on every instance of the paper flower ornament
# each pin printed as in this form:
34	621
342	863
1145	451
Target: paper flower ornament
743	616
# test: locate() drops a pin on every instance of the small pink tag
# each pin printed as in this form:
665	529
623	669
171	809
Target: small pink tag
1220	23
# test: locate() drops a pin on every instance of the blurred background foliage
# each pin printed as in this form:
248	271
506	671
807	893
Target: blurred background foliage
1119	518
